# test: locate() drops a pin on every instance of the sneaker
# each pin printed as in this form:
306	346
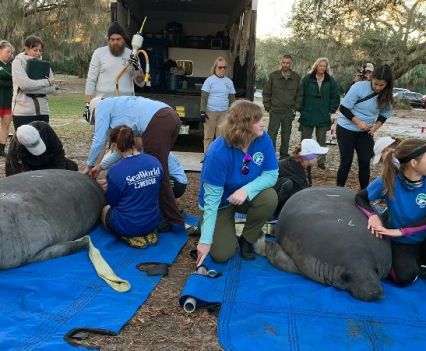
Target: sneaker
138	242
152	238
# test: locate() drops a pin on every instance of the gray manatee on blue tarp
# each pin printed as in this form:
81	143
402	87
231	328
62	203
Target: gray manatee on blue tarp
322	235
42	212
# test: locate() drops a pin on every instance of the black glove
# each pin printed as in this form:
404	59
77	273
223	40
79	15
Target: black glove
203	117
86	113
134	61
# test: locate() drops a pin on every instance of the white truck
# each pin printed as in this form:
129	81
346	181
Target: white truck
183	38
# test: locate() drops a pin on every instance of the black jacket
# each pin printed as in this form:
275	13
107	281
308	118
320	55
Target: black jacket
19	159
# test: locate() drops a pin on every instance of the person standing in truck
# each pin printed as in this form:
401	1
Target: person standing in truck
217	94
105	65
282	97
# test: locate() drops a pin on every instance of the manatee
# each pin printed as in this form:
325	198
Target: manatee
42	212
322	235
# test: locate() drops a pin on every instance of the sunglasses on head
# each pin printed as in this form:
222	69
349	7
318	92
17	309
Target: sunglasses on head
244	168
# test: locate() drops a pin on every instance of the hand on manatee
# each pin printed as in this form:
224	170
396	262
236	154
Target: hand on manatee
86	170
238	197
94	172
103	183
388	232
202	252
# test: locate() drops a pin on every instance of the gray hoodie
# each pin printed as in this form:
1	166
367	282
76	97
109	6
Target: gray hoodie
23	105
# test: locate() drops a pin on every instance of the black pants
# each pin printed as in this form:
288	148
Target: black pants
21	120
406	260
178	188
363	144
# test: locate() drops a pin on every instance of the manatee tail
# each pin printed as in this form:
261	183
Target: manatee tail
275	254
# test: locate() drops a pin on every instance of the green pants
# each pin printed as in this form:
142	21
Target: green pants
258	211
320	135
285	120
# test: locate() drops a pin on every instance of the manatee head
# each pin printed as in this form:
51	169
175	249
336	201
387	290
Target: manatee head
364	284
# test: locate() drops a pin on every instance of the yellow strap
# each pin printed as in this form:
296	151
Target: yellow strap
103	269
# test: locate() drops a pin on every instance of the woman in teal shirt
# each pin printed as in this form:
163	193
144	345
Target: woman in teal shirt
239	170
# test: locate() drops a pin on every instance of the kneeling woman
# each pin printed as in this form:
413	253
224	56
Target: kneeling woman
133	185
295	171
239	170
403	187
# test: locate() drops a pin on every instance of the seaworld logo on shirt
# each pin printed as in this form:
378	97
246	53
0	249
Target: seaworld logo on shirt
421	200
144	178
258	158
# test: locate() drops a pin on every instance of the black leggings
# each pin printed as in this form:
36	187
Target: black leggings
363	144
406	261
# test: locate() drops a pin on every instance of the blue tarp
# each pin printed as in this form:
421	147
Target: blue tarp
41	302
264	308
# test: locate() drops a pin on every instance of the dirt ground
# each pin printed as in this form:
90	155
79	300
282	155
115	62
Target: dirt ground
161	324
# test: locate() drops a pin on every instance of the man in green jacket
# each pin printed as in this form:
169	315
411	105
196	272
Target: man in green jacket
320	99
282	97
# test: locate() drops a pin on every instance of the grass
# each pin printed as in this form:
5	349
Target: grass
66	106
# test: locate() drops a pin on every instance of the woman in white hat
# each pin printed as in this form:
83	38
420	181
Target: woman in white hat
295	171
382	146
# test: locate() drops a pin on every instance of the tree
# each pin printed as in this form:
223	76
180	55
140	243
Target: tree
382	31
70	29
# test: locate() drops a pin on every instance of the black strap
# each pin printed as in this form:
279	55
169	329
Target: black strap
365	98
36	105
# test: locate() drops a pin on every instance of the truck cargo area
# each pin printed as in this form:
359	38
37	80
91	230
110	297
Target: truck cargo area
183	38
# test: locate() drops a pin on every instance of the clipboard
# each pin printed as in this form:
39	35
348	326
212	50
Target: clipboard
38	69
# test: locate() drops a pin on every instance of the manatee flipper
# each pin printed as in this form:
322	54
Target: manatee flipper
58	250
279	258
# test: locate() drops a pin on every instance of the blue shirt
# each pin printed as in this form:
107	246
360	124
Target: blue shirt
175	169
132	111
219	90
367	111
223	163
132	192
407	207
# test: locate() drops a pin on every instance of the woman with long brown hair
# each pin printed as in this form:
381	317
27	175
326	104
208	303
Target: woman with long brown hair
364	109
403	188
132	189
239	170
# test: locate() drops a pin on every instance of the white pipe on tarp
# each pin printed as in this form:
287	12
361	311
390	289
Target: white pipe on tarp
190	305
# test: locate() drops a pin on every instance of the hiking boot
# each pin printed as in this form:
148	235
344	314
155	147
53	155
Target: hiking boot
246	249
152	238
138	242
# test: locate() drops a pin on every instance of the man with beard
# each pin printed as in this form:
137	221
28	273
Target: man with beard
105	65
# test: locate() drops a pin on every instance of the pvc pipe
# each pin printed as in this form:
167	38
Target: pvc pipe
190	305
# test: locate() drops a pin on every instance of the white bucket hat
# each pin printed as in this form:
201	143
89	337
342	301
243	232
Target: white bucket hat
381	144
30	137
311	146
